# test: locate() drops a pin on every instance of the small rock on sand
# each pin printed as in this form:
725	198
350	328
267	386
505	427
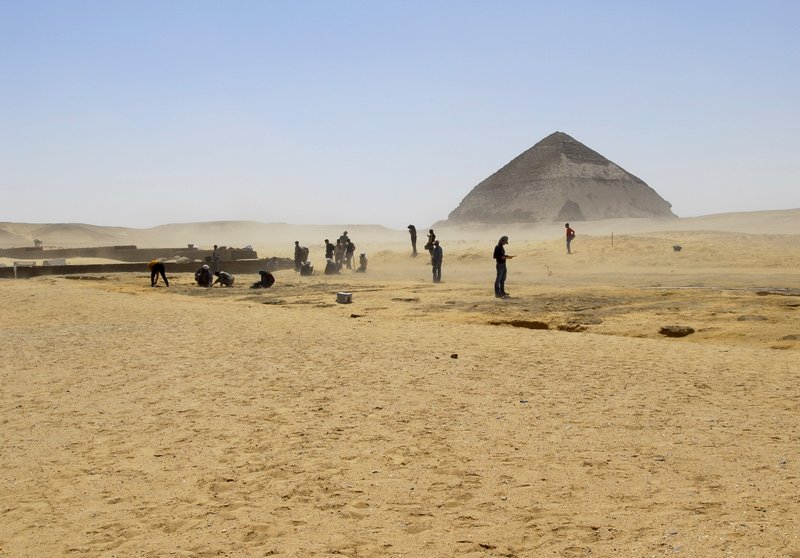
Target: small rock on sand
676	331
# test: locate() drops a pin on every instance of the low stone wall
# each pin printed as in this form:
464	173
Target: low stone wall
239	267
126	253
25	272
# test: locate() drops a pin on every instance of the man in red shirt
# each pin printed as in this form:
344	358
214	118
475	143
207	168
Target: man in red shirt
570	236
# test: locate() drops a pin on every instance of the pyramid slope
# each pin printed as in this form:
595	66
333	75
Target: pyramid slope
559	179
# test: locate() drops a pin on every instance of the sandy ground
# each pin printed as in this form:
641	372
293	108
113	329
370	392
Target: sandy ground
181	421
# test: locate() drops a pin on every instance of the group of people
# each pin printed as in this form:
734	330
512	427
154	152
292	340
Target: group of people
434	249
205	277
342	254
337	256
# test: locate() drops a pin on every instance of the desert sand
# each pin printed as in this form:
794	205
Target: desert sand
422	419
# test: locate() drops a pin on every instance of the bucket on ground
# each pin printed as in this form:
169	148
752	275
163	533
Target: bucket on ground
344	298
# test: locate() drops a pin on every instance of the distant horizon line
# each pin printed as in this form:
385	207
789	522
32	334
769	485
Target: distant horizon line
439	223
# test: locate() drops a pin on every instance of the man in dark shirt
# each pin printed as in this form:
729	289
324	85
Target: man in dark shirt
429	245
156	268
216	260
306	269
501	257
331	268
266	281
412	230
436	262
204	277
298	256
329	248
349	250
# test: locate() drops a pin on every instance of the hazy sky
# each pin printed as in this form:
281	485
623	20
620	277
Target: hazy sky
150	112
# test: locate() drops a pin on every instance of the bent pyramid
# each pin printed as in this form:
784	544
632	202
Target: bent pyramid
558	179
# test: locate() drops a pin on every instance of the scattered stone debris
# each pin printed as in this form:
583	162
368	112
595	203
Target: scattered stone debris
87	277
587	320
356	315
402	299
755	318
571	326
676	331
454	355
529	324
781	292
792	337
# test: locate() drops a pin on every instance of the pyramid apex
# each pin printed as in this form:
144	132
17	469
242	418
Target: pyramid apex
558	134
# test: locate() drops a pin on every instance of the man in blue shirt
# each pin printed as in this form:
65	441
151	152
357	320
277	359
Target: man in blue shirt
501	257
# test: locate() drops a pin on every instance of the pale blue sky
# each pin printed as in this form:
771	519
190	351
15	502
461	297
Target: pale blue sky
150	112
